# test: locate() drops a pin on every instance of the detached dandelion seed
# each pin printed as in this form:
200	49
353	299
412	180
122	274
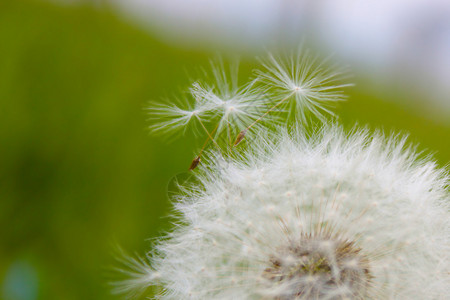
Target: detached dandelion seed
300	84
232	106
305	83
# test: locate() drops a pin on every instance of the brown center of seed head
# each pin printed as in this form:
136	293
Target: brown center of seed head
319	267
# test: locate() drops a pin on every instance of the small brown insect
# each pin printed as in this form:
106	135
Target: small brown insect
194	163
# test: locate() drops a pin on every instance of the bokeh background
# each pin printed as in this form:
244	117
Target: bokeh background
79	171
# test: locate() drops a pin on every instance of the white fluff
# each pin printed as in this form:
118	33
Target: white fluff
364	188
304	83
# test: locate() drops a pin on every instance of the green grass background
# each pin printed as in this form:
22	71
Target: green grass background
78	170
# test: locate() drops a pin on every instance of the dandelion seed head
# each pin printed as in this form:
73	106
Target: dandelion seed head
325	216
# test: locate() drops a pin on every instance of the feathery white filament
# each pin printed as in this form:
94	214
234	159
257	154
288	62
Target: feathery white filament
173	118
307	83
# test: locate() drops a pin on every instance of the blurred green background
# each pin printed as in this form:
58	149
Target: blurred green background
78	170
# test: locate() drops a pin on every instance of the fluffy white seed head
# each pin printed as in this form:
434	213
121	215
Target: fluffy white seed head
329	216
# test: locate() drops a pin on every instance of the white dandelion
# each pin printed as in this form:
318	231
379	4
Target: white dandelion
304	83
326	216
